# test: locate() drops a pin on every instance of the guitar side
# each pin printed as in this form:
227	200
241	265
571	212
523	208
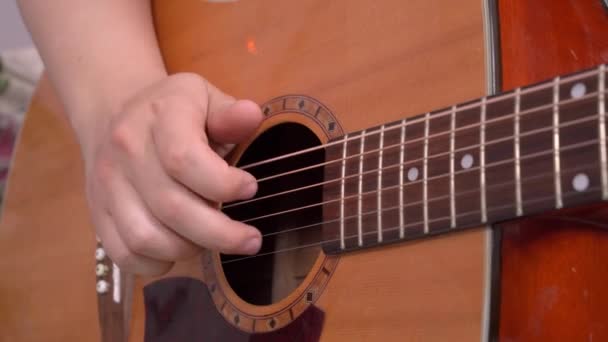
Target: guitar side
551	267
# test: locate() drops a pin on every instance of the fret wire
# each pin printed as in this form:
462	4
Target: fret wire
482	162
530	111
360	188
557	178
452	181
516	152
602	129
438	198
401	169
318	243
414	161
500	207
534	155
342	192
497	98
493	164
502	162
425	167
379	197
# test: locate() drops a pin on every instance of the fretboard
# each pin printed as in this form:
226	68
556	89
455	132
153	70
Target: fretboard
525	152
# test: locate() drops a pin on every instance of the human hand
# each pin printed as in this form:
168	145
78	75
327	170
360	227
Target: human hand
154	170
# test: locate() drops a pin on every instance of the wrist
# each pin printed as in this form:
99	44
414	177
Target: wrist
92	111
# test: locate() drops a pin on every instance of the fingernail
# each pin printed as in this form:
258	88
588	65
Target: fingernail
250	187
252	245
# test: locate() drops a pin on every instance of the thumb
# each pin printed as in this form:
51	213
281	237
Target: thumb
234	122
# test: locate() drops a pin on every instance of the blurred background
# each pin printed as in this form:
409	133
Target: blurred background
13	33
20	68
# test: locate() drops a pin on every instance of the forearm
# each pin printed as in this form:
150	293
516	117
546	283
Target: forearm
96	53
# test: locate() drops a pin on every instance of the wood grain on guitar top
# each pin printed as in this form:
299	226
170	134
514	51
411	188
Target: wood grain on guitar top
47	287
430	56
369	61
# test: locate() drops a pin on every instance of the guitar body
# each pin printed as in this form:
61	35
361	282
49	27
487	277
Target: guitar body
548	266
320	70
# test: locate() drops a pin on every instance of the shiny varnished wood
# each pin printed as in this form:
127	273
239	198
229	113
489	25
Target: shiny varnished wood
551	269
330	51
553	278
541	39
181	309
47	287
369	62
368	213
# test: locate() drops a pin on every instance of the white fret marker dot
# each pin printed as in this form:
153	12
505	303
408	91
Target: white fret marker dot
578	90
412	174
467	161
580	182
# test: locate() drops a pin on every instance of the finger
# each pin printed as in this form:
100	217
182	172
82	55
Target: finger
140	231
234	123
188	159
206	226
221	149
225	119
230	121
121	255
192	217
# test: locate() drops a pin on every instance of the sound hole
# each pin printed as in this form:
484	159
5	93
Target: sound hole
284	261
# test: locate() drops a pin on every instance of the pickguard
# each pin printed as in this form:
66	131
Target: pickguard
181	309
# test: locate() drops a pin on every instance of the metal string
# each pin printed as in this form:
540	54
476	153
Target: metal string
498	163
412	161
476	104
432	199
321	242
487	123
411	122
416	203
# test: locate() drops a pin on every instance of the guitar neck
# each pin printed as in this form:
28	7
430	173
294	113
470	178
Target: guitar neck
534	149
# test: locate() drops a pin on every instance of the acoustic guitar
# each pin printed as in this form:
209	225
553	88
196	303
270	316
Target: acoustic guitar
429	170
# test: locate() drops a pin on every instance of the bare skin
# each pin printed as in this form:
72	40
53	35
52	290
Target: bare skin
152	143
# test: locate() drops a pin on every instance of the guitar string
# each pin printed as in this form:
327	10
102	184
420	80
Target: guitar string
497	163
532	110
477	103
592	117
432	199
419	118
459	215
373	192
321	242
